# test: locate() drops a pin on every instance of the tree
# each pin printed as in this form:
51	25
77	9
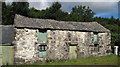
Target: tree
54	12
82	13
34	13
21	8
50	12
7	14
55	7
9	11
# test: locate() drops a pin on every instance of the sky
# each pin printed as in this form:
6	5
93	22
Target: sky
102	8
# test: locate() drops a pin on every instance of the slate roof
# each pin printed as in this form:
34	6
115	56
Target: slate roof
22	21
6	34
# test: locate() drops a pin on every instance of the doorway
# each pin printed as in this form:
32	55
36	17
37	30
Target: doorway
72	52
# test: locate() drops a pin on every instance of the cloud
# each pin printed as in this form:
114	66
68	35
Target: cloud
40	5
96	6
100	7
65	0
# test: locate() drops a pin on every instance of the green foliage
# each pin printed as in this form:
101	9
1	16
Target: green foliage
7	14
81	13
21	8
9	11
54	12
55	7
34	13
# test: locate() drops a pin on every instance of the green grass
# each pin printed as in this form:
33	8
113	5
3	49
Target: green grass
106	60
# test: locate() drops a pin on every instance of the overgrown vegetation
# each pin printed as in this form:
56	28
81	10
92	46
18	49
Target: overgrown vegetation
78	14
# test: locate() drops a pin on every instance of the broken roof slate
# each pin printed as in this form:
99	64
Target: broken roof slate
22	21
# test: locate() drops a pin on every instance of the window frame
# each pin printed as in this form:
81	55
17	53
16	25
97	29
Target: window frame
94	37
42	32
42	48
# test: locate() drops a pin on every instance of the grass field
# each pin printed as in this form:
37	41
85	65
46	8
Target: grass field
107	60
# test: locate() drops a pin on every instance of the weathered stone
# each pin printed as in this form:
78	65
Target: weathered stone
25	45
58	43
84	40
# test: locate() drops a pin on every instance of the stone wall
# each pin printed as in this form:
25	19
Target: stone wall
105	44
58	42
57	45
84	44
25	46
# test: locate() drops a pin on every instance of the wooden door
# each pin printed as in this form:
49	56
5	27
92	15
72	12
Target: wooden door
72	52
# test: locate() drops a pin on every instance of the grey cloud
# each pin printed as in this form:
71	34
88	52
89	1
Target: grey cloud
100	8
96	6
40	5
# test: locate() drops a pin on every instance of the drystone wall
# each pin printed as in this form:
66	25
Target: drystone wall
57	45
104	44
58	42
25	46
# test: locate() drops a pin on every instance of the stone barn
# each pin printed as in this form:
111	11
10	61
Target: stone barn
50	40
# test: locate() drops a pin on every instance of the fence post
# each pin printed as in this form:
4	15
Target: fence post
116	50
